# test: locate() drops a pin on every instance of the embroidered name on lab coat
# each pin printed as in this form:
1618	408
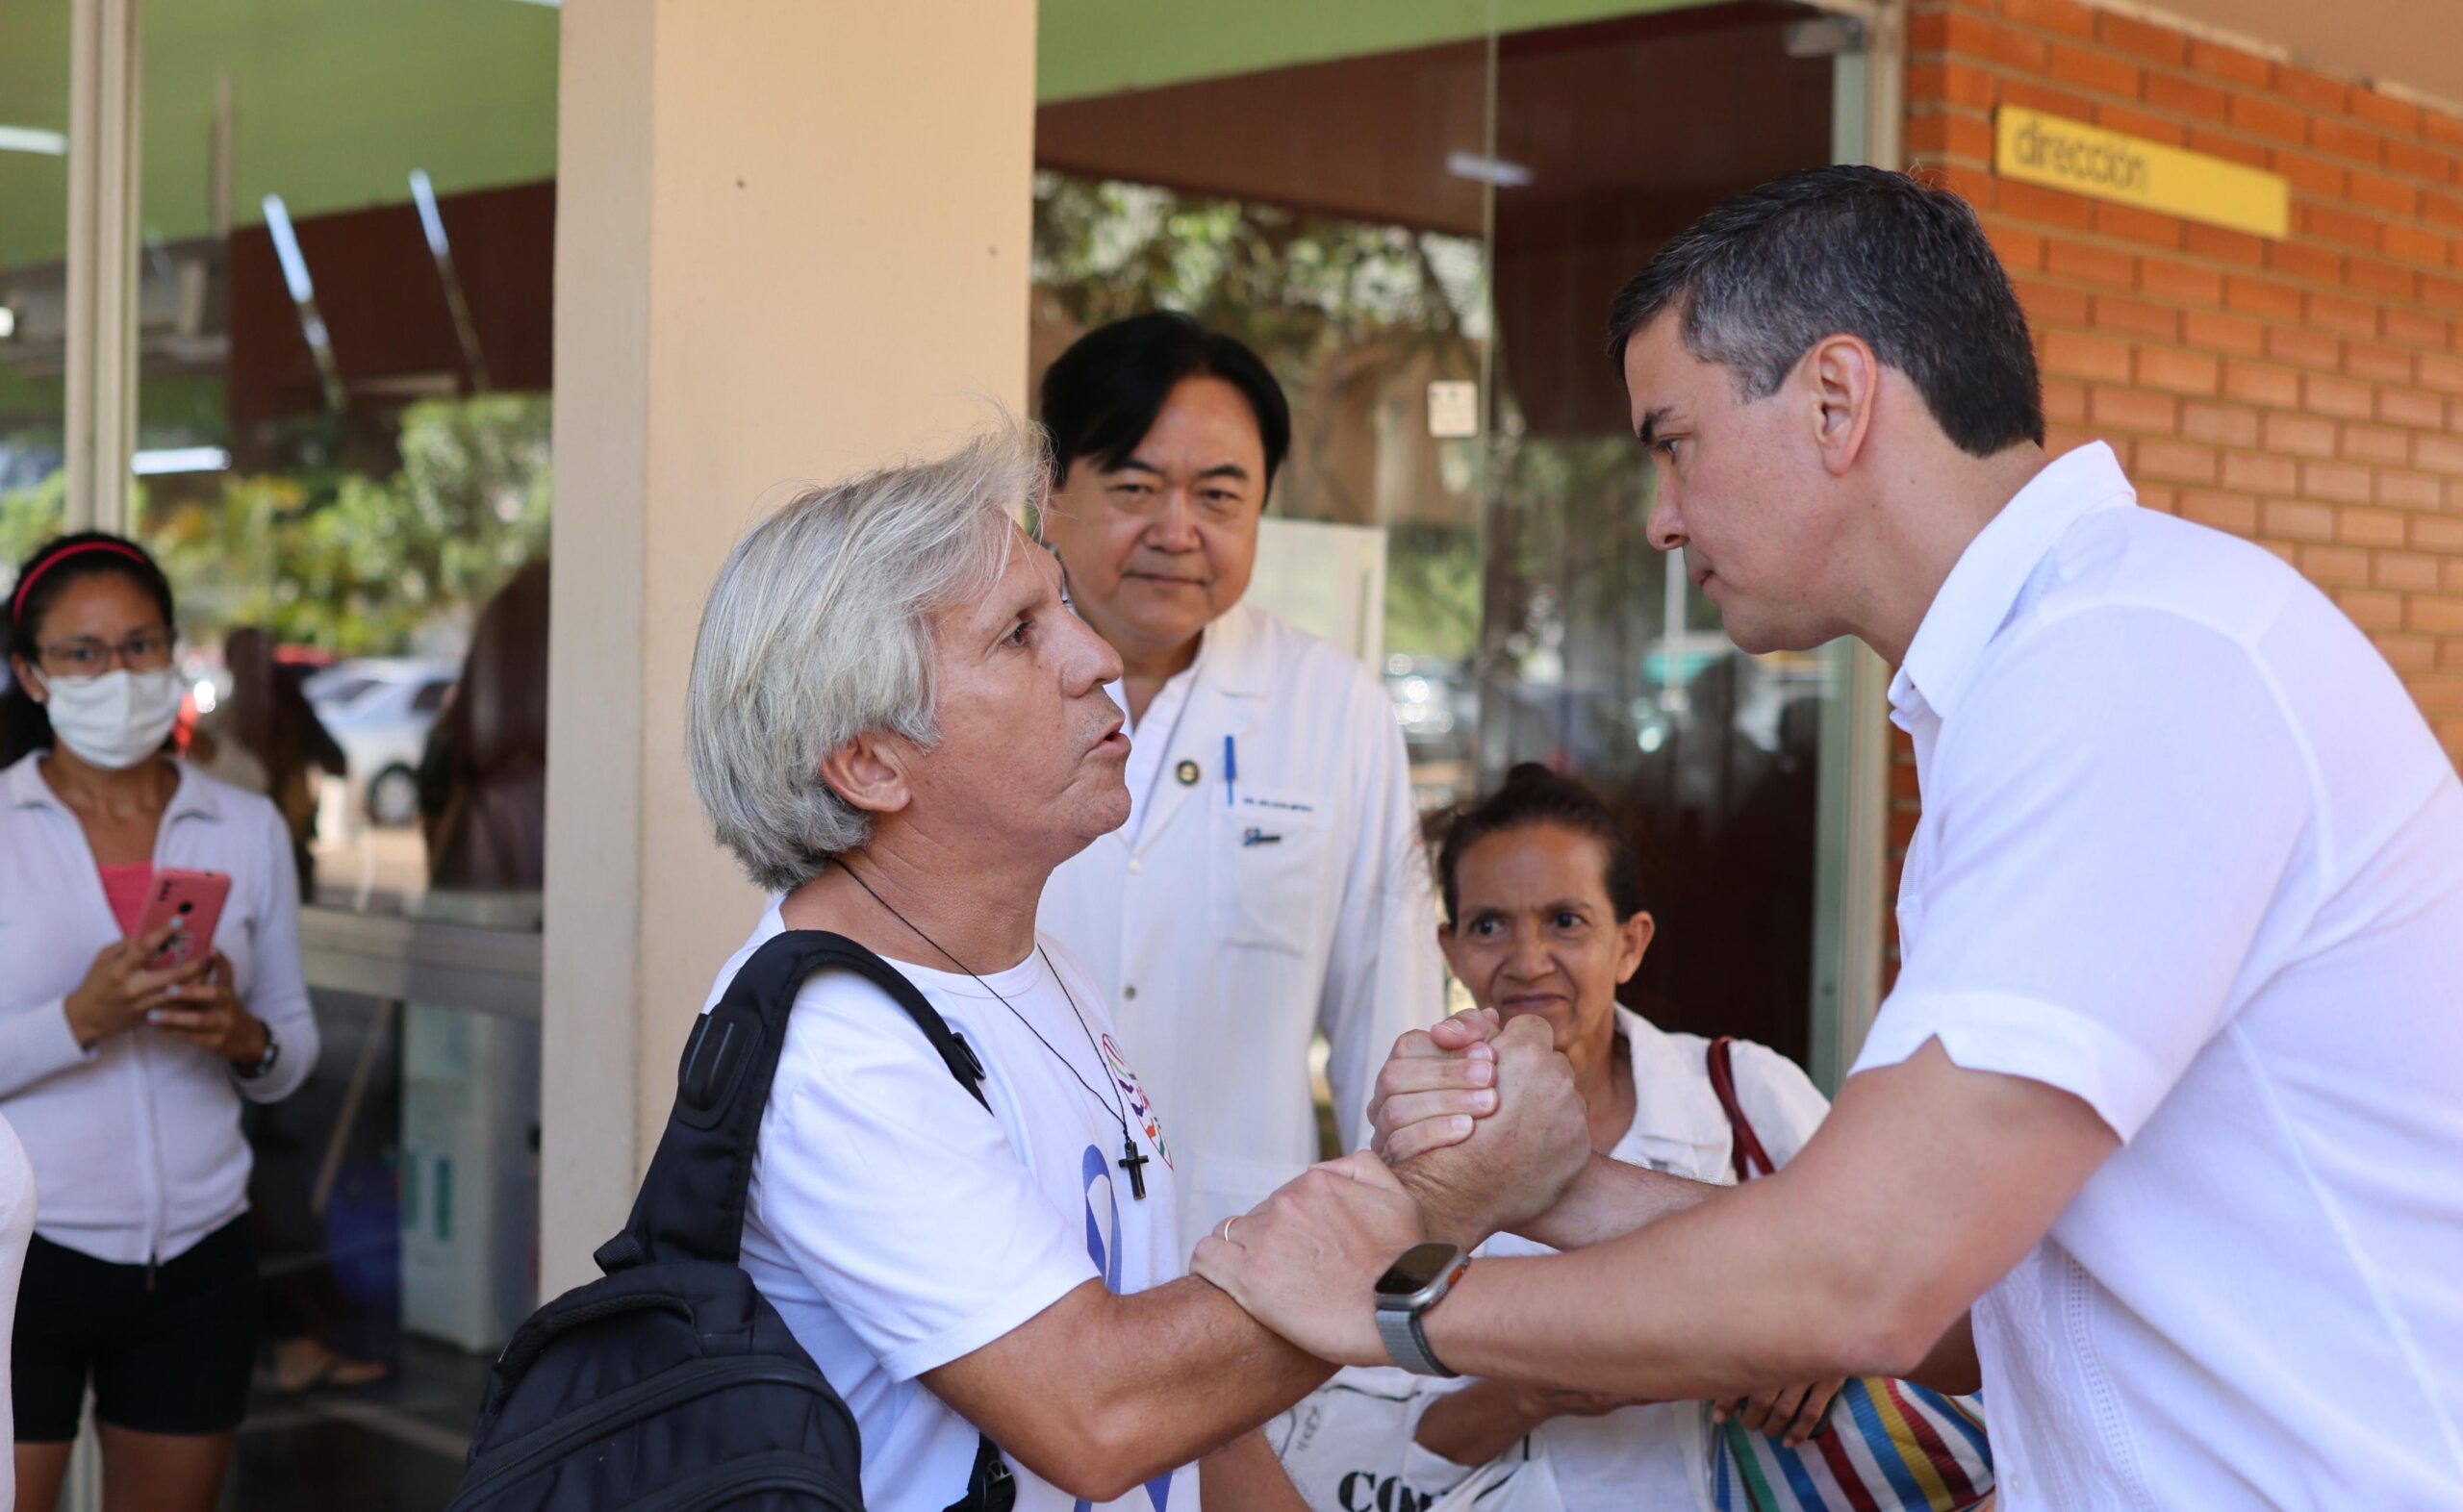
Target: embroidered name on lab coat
1282	805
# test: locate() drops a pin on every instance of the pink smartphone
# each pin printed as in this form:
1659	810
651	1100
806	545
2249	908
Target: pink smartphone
196	899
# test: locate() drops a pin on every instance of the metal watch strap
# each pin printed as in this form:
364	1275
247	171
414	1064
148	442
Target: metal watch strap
1407	1343
266	1062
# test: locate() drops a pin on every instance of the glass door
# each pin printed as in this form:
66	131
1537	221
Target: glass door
1597	656
1422	238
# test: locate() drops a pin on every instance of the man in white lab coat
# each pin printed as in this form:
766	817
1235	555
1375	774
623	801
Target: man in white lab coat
1270	880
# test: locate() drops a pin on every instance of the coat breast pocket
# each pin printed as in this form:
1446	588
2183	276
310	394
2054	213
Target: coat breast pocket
1273	876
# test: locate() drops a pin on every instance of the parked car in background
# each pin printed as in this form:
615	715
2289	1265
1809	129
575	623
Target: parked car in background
206	681
379	710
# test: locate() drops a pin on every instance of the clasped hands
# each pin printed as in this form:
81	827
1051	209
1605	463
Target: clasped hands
1479	1129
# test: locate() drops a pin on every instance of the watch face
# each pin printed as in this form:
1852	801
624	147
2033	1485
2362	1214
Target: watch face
1420	1268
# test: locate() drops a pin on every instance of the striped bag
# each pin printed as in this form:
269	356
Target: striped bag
1884	1445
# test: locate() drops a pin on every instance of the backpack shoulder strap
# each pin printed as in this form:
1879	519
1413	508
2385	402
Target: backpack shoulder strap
692	1202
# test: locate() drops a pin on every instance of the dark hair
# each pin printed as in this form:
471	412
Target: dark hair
1856	251
489	749
1533	794
1100	396
39	581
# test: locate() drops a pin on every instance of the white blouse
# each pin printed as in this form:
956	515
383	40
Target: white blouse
135	1140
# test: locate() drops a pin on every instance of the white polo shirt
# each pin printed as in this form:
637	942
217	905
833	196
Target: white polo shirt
2189	853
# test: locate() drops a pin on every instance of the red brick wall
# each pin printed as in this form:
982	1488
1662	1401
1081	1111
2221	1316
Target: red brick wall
2305	393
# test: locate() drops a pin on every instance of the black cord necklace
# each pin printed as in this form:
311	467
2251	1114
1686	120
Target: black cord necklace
1132	1160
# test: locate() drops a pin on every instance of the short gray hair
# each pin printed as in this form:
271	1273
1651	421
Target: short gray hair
818	630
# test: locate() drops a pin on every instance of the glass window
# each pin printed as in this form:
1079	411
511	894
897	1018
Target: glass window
1360	277
335	687
1422	242
342	427
1597	656
33	284
342	460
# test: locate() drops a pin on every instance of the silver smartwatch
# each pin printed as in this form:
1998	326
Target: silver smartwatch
1411	1286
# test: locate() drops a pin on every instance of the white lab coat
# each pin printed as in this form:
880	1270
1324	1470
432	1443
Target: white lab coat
1248	914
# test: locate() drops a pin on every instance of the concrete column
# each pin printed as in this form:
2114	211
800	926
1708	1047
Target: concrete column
106	98
791	244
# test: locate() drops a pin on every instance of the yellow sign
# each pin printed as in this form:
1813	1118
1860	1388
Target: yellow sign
2036	148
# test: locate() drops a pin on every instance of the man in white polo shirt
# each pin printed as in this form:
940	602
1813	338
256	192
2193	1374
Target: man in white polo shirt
2163	1123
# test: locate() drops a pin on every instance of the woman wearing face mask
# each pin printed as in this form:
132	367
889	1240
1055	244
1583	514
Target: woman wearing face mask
125	1083
1543	903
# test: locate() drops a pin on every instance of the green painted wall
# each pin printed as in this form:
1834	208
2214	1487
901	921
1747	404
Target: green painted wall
34	91
338	100
1091	47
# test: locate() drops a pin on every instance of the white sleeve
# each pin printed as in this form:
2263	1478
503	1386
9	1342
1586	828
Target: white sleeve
2117	807
1381	973
895	1194
1780	1100
279	994
36	1044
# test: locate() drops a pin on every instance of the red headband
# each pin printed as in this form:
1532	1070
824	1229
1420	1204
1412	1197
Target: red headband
17	605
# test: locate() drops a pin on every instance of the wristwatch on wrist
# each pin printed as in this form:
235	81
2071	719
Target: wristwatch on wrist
1411	1286
265	1063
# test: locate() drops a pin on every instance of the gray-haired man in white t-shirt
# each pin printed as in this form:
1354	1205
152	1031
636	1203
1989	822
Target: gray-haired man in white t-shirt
899	728
2161	1125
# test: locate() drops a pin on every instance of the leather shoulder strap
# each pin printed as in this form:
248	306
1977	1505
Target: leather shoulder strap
1745	1151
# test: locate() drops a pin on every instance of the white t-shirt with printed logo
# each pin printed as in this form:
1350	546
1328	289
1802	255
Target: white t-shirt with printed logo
896	1226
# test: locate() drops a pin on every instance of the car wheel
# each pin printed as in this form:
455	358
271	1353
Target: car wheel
393	797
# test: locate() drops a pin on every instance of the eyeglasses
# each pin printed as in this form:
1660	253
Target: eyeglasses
89	656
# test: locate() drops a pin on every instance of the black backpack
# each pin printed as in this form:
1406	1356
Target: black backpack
671	1385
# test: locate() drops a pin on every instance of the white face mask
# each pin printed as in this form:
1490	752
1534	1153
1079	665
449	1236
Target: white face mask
117	719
